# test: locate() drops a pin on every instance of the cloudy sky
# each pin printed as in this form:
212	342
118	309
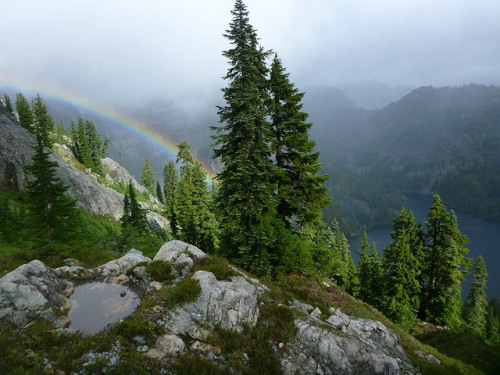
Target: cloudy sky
115	50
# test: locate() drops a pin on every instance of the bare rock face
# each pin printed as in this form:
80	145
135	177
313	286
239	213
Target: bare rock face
157	223
34	290
16	151
116	173
344	345
228	304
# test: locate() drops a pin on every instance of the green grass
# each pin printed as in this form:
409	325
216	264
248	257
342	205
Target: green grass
94	239
462	344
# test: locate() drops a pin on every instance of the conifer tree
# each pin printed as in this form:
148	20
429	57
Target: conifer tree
74	136
52	213
245	199
300	190
475	303
159	192
105	147
24	112
134	216
341	266
206	232
493	324
445	266
192	203
170	181
148	177
96	147
8	104
402	267
370	274
82	146
43	123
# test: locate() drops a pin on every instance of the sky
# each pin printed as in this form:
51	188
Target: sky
124	51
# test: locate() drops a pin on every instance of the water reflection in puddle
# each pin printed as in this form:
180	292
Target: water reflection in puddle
95	305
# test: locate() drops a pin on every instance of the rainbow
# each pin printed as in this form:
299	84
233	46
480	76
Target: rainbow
130	124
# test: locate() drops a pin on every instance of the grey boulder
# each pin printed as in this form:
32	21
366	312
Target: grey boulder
34	290
228	304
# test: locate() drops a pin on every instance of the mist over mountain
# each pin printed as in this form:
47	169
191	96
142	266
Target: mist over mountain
433	140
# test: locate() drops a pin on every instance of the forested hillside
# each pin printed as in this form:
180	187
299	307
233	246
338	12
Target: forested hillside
434	140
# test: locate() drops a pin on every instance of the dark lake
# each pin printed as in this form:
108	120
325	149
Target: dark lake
483	234
95	305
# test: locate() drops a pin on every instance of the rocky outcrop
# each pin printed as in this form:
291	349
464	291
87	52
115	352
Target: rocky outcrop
34	290
122	265
340	344
344	345
157	223
228	304
181	255
16	151
167	345
115	173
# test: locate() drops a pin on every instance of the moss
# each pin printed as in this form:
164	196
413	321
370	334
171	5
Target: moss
219	266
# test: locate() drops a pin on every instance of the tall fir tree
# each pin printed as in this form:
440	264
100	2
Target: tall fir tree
341	267
493	324
148	177
82	146
401	265
192	203
24	112
43	123
475	309
301	194
96	147
159	192
134	216
170	182
52	213
245	199
370	274
206	224
445	266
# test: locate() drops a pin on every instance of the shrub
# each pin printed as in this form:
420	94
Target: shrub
218	265
160	271
185	291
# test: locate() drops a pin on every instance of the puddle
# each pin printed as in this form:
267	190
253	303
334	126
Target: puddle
95	305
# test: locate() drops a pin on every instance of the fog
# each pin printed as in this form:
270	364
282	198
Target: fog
129	51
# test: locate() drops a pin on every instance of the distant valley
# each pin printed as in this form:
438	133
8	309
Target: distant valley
432	140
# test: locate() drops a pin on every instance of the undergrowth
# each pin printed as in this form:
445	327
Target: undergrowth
218	265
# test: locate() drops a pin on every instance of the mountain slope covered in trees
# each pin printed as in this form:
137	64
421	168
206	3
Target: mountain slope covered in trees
434	140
